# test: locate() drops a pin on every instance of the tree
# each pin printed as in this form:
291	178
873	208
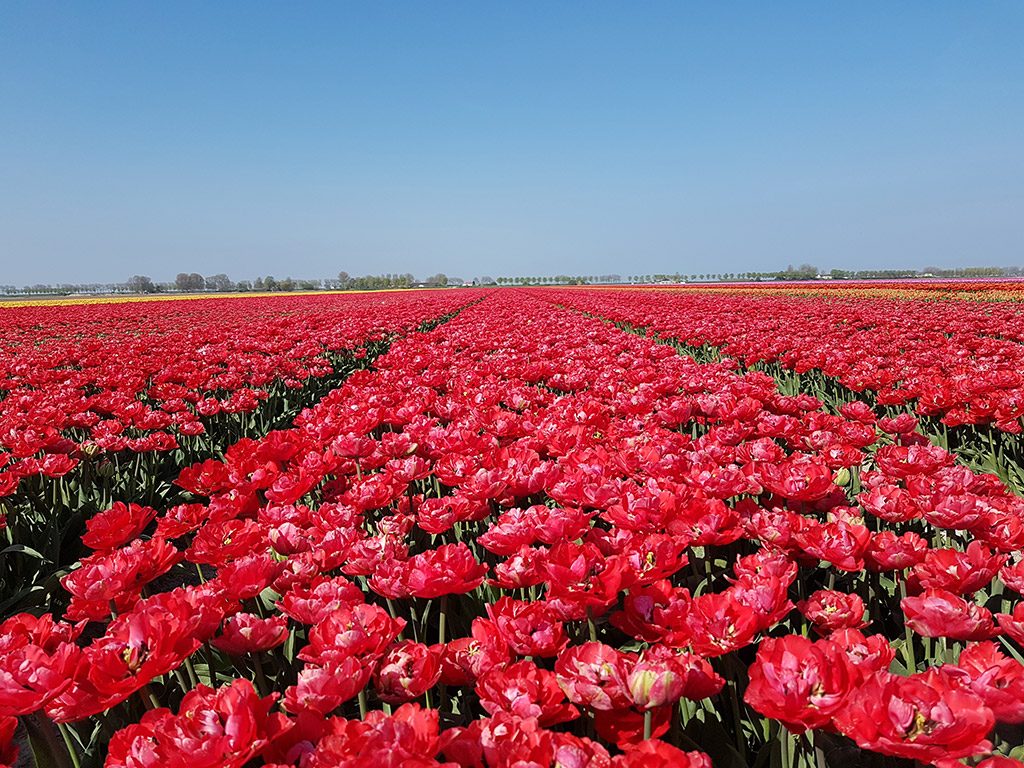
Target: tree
140	284
191	281
219	282
440	280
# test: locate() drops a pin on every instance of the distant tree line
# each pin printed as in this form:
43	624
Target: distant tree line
193	282
552	280
388	281
963	272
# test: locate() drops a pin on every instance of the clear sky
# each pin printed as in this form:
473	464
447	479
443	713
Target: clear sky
519	138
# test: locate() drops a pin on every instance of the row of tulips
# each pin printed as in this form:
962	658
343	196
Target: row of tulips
958	361
981	380
139	376
106	403
527	538
984	289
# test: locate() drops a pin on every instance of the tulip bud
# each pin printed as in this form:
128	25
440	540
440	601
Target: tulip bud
842	478
654	684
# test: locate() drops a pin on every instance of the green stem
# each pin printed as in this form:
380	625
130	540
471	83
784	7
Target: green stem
261	677
907	633
46	749
784	747
191	670
442	619
65	732
148	699
741	742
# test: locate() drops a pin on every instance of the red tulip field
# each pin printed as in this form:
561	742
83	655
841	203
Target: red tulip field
515	528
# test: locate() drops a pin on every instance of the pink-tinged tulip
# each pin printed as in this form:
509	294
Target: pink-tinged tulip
247	633
406	671
997	679
1013	623
938	613
322	689
594	675
662	676
530	629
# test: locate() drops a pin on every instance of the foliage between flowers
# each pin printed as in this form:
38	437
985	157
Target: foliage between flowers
526	537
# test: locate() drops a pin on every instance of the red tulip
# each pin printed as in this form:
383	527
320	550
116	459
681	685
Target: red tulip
324	688
866	655
116	526
889	552
798	682
8	744
226	727
963	573
408	737
657	754
920	718
662	676
449	569
38	661
465	659
626	727
800	477
830	610
525	690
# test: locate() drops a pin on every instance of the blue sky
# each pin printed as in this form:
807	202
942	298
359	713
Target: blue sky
516	138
